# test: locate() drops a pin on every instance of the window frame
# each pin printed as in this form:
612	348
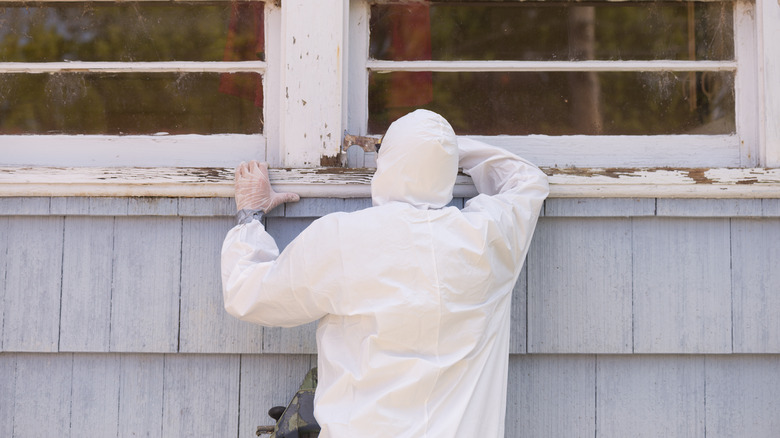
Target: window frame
302	138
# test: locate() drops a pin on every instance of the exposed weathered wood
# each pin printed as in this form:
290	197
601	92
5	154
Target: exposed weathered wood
551	396
709	207
268	380
201	395
742	396
85	321
141	395
205	326
94	406
596	207
682	285
43	394
33	280
146	274
518	324
650	396
351	183
579	286
755	281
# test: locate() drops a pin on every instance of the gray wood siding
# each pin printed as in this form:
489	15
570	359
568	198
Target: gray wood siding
632	317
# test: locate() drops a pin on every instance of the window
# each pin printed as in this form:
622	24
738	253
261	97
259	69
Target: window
145	84
629	84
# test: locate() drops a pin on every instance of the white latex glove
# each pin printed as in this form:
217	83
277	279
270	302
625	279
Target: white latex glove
253	189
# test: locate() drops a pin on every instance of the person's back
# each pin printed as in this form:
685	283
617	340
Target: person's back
413	296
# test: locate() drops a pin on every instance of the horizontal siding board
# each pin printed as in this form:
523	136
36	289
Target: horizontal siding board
709	207
86	283
108	206
599	207
207	207
756	285
146	273
75	206
313	207
24	206
682	285
268	380
650	396
43	394
770	207
31	307
152	206
95	395
141	395
517	334
205	325
551	396
579	286
294	340
743	396
355	204
201	395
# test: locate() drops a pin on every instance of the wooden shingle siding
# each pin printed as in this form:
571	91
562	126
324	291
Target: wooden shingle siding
88	258
682	285
33	275
630	318
551	396
650	396
204	325
579	293
755	283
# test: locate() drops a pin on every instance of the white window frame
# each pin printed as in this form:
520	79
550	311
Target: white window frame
311	57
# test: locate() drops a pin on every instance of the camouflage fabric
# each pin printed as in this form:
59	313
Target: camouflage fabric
298	421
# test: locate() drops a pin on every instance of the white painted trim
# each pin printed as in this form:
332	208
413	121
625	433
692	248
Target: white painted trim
746	83
272	84
343	183
622	151
220	150
132	67
312	80
768	27
357	119
549	66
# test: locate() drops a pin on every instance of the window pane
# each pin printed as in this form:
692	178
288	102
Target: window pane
149	31
130	103
554	103
544	31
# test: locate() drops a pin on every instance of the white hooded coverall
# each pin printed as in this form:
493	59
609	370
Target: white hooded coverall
412	297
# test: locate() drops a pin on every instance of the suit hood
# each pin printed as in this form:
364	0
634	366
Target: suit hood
417	163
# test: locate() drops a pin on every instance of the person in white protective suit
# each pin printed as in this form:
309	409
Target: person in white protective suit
412	296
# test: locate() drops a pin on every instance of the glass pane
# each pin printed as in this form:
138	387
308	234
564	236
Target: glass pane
149	31
613	103
545	31
131	103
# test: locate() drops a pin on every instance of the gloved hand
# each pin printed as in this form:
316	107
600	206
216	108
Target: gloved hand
253	190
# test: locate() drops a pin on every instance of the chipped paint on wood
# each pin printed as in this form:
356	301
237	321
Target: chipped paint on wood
356	183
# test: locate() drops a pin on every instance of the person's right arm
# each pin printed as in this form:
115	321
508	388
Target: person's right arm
512	190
